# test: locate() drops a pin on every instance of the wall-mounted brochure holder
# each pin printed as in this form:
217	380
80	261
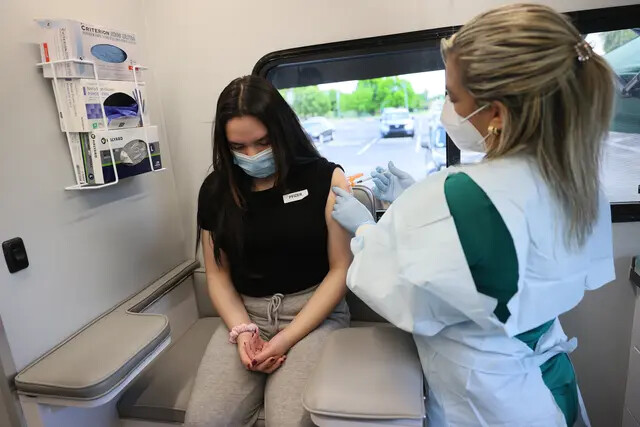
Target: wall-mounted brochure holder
90	170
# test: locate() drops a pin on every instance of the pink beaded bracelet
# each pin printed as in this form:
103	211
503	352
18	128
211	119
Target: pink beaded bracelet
237	330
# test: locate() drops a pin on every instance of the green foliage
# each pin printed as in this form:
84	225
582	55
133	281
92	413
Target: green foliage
369	98
310	101
359	101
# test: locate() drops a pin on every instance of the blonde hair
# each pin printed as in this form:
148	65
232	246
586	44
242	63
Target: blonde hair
558	107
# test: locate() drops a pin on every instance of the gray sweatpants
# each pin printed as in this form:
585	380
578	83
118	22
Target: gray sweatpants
226	394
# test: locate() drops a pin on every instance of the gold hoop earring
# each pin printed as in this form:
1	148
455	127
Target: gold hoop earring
494	130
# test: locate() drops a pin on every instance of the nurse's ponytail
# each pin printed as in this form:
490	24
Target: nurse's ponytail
558	94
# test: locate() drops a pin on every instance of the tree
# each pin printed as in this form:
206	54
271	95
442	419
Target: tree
308	101
371	96
359	101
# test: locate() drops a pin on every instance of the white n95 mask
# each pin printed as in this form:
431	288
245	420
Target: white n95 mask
261	165
462	132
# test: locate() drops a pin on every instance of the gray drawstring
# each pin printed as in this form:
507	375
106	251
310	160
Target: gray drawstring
272	311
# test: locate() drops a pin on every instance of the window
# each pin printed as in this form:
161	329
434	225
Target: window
368	101
621	166
365	123
365	103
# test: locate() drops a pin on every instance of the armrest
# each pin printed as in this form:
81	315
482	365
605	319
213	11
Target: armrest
97	359
367	373
100	359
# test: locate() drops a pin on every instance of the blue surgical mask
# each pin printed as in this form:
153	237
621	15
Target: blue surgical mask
260	165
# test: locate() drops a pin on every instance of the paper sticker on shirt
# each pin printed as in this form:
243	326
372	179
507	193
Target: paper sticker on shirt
295	197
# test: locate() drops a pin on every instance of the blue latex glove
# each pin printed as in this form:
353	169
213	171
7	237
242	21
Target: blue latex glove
390	184
349	212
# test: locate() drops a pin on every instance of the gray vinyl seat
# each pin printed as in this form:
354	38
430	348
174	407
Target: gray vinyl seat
162	392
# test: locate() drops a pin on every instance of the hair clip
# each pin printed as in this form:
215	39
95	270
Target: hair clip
583	50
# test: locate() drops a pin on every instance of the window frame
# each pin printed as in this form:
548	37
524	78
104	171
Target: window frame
587	21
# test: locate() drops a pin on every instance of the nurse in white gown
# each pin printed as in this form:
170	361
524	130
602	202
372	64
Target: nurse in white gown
478	261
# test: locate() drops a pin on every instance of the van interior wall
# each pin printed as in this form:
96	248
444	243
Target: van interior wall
603	322
88	250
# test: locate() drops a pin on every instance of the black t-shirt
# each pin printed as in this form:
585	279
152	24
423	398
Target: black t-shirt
285	234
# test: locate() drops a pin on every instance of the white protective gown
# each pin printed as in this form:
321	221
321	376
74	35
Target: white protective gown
411	269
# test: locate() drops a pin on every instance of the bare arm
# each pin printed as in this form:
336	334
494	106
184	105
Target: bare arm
333	287
224	296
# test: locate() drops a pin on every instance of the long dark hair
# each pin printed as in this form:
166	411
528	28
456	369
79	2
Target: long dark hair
222	198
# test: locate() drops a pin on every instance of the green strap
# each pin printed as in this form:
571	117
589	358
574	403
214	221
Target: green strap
485	239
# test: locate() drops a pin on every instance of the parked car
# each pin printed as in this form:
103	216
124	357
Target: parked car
319	129
396	122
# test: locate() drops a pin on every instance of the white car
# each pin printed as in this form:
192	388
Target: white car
319	129
396	122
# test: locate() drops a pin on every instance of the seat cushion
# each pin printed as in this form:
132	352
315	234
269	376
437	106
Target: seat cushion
370	373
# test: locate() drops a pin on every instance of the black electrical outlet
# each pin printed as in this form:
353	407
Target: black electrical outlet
15	254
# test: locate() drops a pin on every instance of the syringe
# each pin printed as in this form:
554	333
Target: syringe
356	179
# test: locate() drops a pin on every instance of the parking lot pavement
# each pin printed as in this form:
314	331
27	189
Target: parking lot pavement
358	147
